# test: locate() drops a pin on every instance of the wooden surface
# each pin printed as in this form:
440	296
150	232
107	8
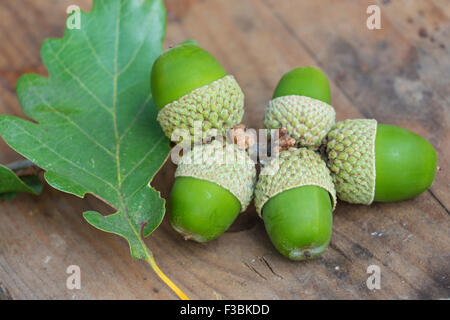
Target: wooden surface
398	75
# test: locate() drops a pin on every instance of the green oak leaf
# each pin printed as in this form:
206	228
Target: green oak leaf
95	128
11	184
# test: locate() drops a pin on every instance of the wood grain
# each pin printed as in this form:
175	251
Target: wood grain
398	75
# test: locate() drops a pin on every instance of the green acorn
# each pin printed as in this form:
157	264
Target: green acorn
378	162
295	196
213	184
301	105
189	85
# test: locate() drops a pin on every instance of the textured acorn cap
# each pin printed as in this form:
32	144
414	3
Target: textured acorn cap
351	159
307	120
228	166
219	105
293	168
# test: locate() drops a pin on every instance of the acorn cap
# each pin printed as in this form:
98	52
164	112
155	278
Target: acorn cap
226	165
306	119
351	159
293	168
219	105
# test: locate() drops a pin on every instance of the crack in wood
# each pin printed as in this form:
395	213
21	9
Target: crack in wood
254	270
439	201
339	250
4	293
270	267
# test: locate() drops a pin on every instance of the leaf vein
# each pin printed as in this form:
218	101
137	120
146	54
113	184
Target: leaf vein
94	52
80	82
64	158
133	122
143	159
115	78
72	122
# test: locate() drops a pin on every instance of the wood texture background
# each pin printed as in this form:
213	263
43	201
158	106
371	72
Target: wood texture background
398	75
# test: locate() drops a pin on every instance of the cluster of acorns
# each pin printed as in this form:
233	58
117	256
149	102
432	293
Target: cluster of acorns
296	192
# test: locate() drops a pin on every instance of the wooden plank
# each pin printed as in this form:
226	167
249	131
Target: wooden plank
378	74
